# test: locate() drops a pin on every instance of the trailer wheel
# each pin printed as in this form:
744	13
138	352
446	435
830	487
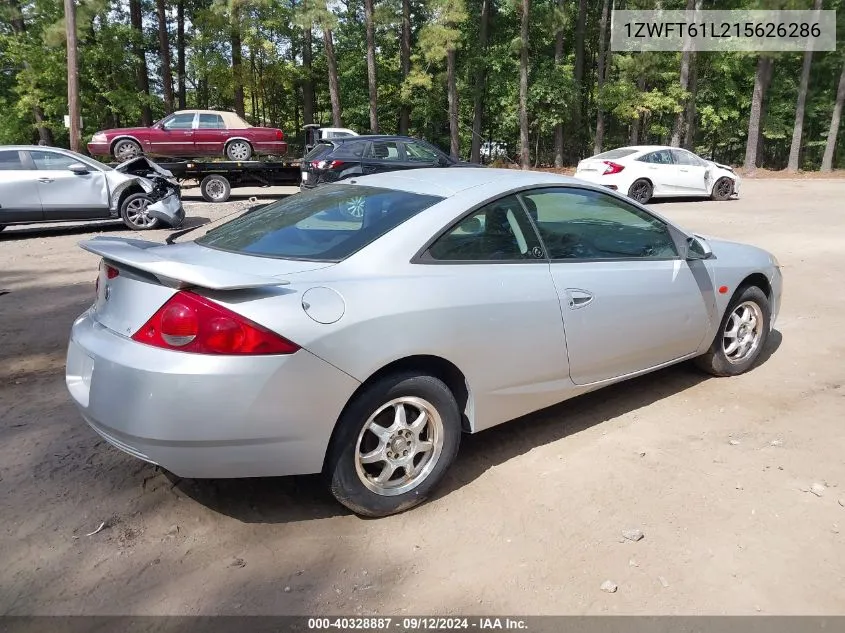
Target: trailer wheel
215	188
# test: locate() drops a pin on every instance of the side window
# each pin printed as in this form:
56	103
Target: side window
183	121
660	157
211	122
420	153
10	160
384	150
685	158
497	231
350	149
586	224
51	160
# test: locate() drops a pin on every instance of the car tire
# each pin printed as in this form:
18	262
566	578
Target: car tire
124	149
720	359
641	190
723	189
215	188
353	481
238	150
133	212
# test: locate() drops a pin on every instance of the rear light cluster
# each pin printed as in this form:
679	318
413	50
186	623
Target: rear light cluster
612	168
280	136
326	164
111	273
191	323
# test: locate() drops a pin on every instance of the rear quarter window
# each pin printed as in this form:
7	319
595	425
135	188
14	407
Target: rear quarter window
318	150
616	153
327	224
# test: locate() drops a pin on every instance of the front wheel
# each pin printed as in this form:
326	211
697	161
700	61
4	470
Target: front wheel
641	190
125	149
393	444
742	334
723	189
134	214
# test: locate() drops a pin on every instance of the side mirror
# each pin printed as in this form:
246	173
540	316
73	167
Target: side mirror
698	248
78	168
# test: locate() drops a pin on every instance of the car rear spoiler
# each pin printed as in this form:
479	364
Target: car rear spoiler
136	254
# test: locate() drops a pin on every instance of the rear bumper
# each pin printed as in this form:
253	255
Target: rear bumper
204	416
270	147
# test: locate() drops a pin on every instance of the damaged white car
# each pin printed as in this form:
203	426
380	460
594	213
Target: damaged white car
49	184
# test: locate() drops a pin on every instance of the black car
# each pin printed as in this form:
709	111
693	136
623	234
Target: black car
338	158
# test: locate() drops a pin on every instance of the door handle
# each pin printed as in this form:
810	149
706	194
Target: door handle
578	298
45	180
683	169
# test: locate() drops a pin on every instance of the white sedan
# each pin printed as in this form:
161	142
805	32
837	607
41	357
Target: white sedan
644	172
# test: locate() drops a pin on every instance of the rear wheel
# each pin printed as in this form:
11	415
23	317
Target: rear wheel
215	188
134	214
393	444
641	191
723	189
125	149
742	334
238	150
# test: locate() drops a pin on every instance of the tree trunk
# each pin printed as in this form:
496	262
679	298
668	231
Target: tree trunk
334	87
754	119
577	111
827	159
237	60
405	63
372	81
558	61
480	83
45	135
690	114
798	128
686	61
308	82
72	75
603	65
180	53
452	90
164	52
767	81
142	76
524	150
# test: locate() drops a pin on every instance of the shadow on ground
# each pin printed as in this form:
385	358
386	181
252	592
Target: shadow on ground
27	231
286	499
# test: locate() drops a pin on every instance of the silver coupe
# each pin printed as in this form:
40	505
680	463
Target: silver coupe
300	338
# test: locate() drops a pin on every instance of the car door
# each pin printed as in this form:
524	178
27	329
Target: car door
489	277
68	195
690	173
19	200
629	302
660	169
174	135
210	135
382	155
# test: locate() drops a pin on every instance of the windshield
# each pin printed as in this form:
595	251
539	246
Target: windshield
327	224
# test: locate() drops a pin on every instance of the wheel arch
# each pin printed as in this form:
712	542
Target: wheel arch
124	192
238	138
426	364
124	137
759	280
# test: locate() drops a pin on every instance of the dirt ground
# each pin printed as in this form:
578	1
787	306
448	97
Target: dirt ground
717	473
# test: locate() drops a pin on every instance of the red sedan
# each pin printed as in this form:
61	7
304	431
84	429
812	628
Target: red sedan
191	134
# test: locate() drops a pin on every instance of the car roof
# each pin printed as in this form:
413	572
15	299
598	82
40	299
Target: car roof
370	137
447	182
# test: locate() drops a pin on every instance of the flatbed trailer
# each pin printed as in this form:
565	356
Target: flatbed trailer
217	178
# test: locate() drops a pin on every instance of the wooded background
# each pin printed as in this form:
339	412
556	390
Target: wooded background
535	74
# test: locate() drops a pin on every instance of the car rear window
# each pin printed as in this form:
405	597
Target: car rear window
318	150
616	153
327	224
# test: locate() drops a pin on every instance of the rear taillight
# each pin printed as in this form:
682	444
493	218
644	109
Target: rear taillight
280	135
191	323
111	273
326	164
612	168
